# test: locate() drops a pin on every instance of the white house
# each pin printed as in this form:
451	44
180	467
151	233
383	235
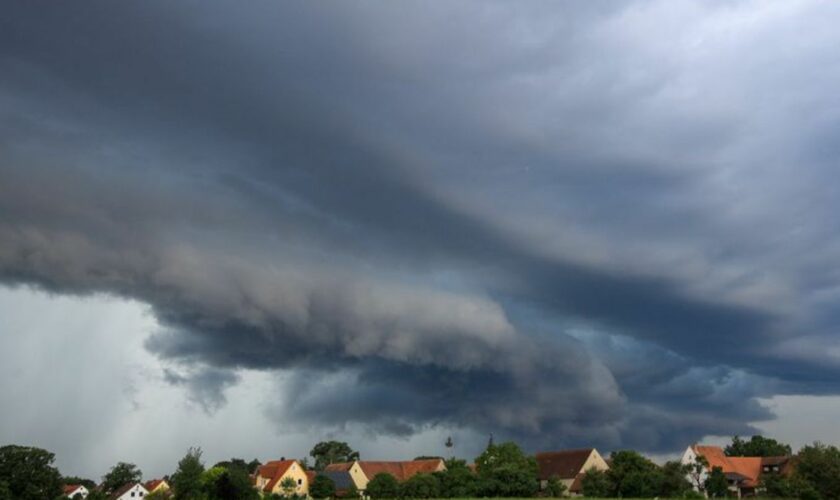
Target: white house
71	490
130	492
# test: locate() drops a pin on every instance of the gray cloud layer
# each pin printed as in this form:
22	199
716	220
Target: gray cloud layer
542	222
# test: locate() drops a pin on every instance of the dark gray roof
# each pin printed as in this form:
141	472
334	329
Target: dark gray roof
341	478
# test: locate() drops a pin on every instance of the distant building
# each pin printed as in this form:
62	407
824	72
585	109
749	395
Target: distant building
71	490
157	485
742	473
360	472
269	477
129	492
568	466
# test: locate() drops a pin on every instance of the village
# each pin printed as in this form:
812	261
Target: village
758	467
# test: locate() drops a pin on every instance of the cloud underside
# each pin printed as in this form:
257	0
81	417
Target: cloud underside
497	232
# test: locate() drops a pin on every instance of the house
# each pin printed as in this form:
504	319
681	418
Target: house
362	471
568	466
129	491
71	490
742	473
157	485
346	474
270	476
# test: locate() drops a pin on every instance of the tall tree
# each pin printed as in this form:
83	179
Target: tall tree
757	446
229	483
120	475
818	465
633	476
87	483
674	483
27	473
503	470
457	481
697	471
187	480
330	452
716	484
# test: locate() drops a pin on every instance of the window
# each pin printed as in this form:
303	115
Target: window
132	494
300	482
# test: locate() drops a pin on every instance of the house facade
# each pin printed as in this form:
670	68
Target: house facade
346	475
270	477
74	490
568	466
131	491
157	485
743	474
360	472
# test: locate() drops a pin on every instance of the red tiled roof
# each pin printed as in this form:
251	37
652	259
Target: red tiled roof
154	483
339	467
274	470
402	471
565	464
749	468
70	488
120	492
577	484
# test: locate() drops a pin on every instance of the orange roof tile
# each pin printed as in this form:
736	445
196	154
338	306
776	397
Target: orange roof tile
274	470
565	464
401	470
748	467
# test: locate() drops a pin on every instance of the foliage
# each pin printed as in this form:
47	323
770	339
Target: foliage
228	483
238	463
457	481
330	452
322	487
428	457
757	446
696	470
819	466
352	492
156	495
595	483
120	475
674	482
5	494
87	483
383	485
555	487
716	485
633	476
99	495
28	473
503	470
288	486
187	481
421	486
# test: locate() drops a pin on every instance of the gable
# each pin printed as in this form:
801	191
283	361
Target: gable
565	464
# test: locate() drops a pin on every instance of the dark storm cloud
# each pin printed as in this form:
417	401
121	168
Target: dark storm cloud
368	195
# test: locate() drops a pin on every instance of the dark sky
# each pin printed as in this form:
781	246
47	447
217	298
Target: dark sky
567	224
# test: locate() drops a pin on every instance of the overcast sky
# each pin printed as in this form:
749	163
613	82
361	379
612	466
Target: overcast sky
252	227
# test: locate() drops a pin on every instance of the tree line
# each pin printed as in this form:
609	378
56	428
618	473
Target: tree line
502	470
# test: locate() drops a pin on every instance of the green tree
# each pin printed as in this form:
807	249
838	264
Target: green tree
322	487
457	481
352	492
87	483
674	482
503	470
5	494
288	486
156	495
421	486
696	471
331	452
228	483
555	487
97	495
633	476
120	475
716	484
187	481
757	446
595	483
28	473
383	485
818	465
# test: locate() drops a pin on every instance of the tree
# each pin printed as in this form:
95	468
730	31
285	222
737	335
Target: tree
674	483
555	487
331	452
818	465
383	485
99	495
288	486
120	475
716	484
697	470
87	483
633	476
503	470
228	483
421	486
187	480
595	483
457	481
5	494
352	492
757	446
322	487
28	473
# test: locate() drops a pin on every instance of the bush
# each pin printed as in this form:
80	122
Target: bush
322	487
383	485
421	486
